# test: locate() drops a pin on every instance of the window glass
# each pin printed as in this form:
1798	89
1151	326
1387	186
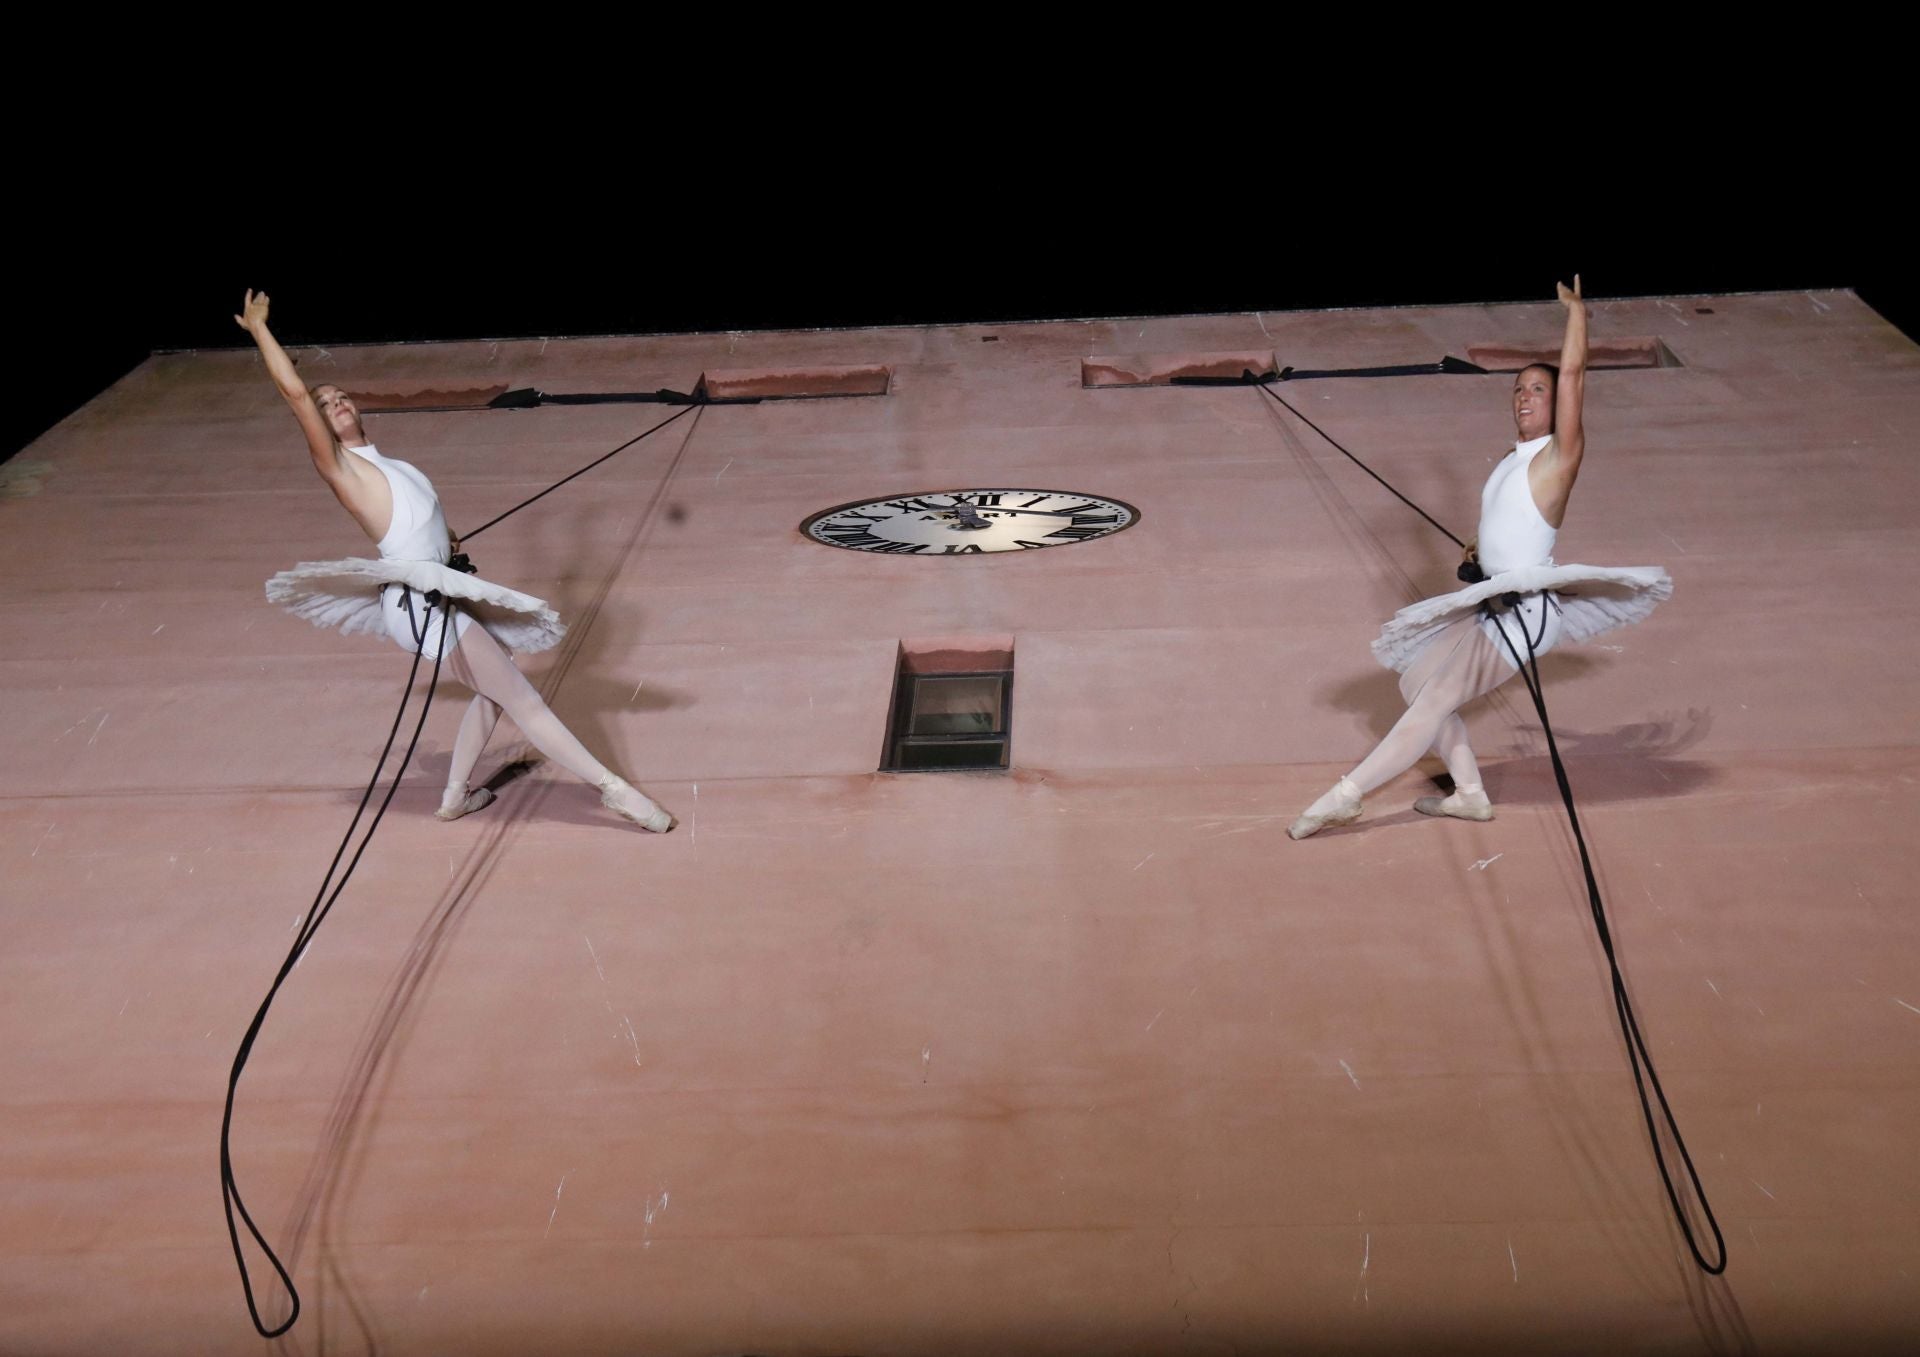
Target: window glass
963	705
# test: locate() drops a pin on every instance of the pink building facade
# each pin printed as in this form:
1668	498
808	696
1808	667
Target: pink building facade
1084	1055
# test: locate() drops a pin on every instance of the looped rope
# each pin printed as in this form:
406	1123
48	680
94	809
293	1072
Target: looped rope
1638	1056
316	915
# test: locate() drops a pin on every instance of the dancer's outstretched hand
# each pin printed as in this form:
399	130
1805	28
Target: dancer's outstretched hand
1569	298
253	315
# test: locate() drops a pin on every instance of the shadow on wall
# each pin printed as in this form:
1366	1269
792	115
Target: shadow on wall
1634	762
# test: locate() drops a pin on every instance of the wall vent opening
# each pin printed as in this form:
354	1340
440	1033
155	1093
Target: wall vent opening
795	383
1645	351
1160	369
426	402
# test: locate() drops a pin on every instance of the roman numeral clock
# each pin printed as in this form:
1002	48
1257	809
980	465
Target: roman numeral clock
970	522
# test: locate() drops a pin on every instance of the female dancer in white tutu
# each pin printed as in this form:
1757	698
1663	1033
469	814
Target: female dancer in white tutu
396	506
1452	649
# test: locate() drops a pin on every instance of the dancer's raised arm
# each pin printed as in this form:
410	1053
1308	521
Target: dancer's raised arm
325	419
1552	475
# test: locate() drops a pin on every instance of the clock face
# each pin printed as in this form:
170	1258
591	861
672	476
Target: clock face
970	522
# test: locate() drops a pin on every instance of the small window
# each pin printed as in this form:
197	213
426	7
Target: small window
952	704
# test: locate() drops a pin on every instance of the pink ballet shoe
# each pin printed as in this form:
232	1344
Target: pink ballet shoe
459	801
1466	803
615	790
1341	806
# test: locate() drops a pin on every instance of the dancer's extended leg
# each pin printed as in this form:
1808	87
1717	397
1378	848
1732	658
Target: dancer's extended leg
489	671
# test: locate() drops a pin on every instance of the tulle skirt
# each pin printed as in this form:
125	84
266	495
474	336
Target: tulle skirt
361	597
1585	600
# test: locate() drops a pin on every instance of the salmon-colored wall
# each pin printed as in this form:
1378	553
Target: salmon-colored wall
1083	1057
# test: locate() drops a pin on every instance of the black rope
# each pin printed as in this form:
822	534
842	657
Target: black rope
469	536
1639	1058
529	398
1251	380
1449	366
229	1187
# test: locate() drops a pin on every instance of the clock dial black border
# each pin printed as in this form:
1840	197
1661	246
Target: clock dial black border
814	518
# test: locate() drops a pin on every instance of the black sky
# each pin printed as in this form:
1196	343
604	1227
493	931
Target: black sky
138	253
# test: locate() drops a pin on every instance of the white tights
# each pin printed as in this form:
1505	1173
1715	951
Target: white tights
481	664
1462	663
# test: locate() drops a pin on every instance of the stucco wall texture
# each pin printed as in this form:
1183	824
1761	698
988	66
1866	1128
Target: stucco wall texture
1083	1057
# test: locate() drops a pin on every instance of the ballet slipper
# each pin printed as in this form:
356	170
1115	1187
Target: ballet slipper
611	789
1466	803
1341	806
458	801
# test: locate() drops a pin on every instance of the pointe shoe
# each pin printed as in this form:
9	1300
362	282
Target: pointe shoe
1341	806
456	803
1462	805
611	786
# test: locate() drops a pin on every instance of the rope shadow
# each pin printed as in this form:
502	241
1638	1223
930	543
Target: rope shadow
340	1158
1606	1175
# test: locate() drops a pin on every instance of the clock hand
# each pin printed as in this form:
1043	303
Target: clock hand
1039	513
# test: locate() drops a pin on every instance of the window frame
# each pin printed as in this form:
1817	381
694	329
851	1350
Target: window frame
900	717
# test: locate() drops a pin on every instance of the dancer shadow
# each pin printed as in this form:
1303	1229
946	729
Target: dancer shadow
1636	762
591	702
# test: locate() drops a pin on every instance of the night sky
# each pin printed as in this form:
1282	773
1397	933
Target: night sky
395	256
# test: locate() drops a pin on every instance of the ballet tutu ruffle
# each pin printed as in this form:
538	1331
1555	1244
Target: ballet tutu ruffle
1593	599
346	594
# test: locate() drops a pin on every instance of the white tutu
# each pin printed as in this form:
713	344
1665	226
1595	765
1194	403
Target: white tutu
346	594
1592	598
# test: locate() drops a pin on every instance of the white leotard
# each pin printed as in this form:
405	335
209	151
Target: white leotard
1515	534
1513	531
417	532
